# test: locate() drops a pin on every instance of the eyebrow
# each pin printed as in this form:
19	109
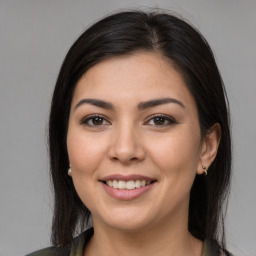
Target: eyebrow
157	102
141	106
95	102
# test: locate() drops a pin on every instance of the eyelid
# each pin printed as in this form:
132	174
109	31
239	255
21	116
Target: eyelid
91	116
84	120
171	119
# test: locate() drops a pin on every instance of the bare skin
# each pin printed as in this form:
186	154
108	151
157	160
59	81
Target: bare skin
134	116
160	242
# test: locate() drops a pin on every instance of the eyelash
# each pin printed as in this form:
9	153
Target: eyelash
86	120
170	120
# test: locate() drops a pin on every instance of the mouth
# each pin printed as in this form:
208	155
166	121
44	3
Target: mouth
127	185
128	182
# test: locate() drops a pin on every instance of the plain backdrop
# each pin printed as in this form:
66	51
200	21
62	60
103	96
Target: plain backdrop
34	38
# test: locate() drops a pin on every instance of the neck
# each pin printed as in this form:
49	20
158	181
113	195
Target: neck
167	239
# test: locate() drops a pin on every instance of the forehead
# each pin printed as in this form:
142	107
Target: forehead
136	77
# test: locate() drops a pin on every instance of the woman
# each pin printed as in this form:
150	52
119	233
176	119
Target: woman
139	141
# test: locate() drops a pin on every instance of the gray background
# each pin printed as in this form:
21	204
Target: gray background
35	36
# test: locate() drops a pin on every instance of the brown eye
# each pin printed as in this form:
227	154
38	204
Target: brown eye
94	121
161	121
97	121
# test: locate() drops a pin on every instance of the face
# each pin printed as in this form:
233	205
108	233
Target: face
134	142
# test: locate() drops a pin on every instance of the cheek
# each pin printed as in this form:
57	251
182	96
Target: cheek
85	155
85	152
177	153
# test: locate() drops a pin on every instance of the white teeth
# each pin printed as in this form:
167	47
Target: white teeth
137	183
114	184
131	184
121	184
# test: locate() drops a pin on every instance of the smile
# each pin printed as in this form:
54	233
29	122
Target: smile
129	185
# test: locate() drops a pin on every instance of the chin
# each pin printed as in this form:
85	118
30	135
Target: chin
125	220
128	226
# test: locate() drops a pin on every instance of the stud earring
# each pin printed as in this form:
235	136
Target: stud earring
205	170
69	170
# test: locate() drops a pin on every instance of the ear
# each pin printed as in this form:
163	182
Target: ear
209	147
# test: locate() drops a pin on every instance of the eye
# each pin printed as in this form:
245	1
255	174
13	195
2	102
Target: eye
94	120
161	120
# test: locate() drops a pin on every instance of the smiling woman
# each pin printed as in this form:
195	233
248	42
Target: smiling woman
143	139
139	140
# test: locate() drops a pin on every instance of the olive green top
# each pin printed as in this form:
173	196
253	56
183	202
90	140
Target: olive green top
78	245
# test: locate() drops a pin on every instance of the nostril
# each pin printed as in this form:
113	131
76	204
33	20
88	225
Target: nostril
124	159
134	158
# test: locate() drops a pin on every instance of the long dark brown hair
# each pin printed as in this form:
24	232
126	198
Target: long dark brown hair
122	34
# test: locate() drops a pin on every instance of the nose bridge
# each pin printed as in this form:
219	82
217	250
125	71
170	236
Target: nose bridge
126	143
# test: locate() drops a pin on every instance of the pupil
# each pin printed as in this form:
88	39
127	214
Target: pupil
159	120
97	121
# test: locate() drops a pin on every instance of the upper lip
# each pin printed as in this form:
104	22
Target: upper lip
127	177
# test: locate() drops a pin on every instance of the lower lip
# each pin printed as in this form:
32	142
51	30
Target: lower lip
126	194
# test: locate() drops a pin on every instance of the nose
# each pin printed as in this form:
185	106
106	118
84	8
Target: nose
126	145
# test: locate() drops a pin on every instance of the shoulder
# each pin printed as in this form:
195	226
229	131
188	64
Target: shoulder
50	251
75	248
212	248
